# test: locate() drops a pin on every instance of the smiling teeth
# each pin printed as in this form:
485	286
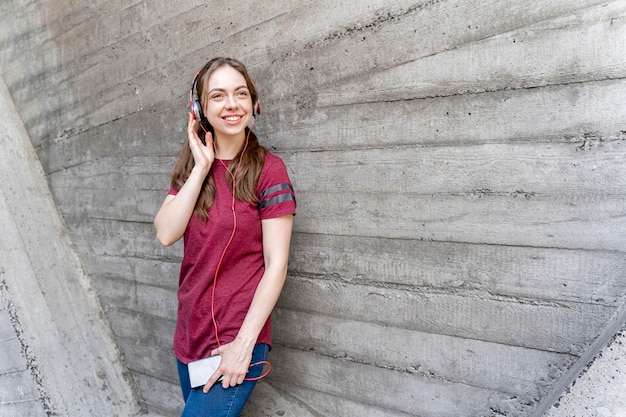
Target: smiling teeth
233	118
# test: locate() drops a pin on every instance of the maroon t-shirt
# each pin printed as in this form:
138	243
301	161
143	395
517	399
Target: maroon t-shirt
241	268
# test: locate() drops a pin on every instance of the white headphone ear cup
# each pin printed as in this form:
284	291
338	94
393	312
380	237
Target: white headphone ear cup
257	108
196	108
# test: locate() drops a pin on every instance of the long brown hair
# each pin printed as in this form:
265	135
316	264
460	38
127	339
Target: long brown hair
252	159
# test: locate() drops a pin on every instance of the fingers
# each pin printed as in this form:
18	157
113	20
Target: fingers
214	378
231	380
241	379
192	131
192	126
208	138
233	367
203	155
232	374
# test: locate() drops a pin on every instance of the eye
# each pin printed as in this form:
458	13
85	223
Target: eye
243	93
217	96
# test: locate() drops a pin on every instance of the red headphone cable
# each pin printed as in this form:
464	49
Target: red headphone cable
219	264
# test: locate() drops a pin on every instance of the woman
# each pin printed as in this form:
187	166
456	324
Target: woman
233	204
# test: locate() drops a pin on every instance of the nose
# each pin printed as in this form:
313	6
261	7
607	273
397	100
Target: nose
231	103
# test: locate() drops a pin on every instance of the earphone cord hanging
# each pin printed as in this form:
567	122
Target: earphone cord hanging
233	176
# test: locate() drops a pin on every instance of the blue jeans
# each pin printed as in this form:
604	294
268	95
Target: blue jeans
220	402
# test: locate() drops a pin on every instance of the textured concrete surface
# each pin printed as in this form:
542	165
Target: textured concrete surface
601	390
268	401
19	395
58	353
459	167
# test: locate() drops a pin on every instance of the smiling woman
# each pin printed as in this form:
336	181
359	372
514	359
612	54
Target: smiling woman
233	204
228	108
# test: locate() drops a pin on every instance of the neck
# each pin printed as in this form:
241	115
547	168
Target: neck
229	147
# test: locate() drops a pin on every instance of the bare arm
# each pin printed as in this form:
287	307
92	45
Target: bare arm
236	356
172	218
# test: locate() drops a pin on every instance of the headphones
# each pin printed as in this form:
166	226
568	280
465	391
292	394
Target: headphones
196	107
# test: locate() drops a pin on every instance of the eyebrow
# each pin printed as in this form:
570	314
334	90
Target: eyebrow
223	89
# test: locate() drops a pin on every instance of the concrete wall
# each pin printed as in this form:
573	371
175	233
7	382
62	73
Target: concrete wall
57	353
459	168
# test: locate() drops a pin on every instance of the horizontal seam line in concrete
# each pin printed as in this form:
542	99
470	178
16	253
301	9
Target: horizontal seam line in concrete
460	242
21	401
398	369
467	93
481	92
142	313
576	355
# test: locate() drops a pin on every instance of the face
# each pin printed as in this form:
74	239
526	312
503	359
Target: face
227	103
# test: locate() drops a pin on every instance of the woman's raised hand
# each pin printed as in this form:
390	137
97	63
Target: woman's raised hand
203	155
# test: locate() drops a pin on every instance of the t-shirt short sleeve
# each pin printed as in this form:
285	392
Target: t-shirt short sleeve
274	189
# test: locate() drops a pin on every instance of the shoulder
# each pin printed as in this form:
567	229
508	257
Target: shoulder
274	189
273	165
271	159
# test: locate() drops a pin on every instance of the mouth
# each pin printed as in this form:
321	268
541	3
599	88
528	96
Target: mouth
232	119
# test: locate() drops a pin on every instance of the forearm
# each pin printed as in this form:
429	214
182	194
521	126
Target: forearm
172	218
276	241
263	303
236	355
